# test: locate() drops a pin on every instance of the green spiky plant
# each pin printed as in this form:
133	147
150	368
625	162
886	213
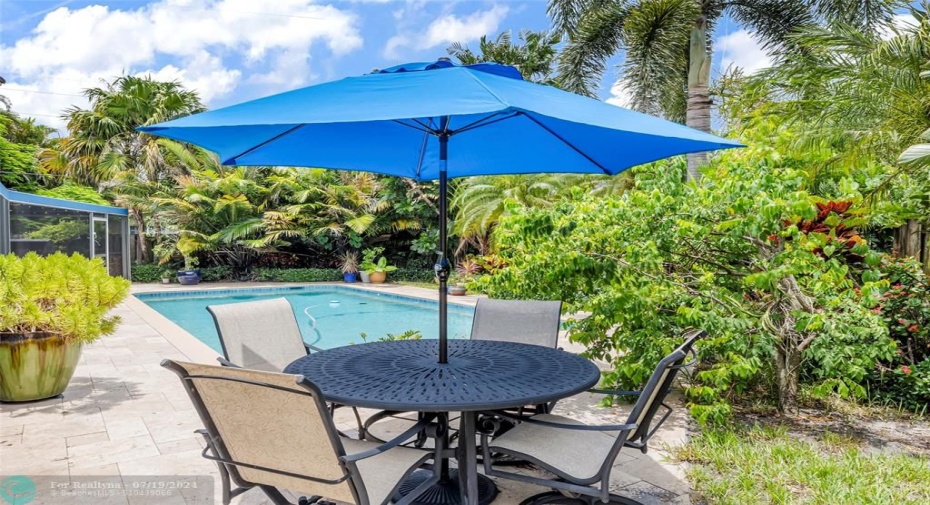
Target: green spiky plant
60	294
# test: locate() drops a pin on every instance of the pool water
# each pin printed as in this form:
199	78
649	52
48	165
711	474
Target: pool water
342	314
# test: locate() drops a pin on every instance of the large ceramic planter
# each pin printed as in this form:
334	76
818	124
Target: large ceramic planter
377	277
188	277
364	276
35	366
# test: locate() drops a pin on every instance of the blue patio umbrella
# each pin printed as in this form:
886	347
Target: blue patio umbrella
437	120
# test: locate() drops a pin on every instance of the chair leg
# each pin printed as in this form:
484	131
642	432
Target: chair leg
557	498
276	497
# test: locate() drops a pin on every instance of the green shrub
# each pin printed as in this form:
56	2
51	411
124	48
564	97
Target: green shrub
68	295
905	307
146	272
216	274
413	274
745	255
298	274
75	193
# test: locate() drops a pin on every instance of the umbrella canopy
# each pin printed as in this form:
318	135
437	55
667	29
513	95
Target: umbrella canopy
437	120
389	122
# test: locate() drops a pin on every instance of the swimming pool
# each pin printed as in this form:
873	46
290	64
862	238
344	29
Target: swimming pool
342	314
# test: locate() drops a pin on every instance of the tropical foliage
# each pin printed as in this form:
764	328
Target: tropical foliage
667	45
67	295
784	253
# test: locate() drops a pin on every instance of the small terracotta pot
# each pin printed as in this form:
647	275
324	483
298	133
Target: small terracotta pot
35	366
377	277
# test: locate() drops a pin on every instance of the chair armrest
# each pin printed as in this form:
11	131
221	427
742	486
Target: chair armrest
422	424
225	362
583	427
578	427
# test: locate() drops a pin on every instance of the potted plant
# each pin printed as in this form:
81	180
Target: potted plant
368	262
456	289
166	277
190	275
349	266
465	271
50	306
379	273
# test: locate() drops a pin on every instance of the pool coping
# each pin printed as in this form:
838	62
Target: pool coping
197	351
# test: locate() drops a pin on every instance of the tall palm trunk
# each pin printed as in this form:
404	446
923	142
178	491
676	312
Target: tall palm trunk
143	254
699	102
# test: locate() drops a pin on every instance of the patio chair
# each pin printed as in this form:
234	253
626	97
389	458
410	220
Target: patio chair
259	335
582	456
262	335
273	431
521	321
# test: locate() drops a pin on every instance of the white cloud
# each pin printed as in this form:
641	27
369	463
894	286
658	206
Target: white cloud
899	22
740	49
447	29
451	28
619	96
394	44
194	41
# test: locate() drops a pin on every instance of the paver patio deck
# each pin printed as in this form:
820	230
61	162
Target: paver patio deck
123	415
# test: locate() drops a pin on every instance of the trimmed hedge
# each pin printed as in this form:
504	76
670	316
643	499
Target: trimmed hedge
146	272
214	274
298	274
151	272
412	274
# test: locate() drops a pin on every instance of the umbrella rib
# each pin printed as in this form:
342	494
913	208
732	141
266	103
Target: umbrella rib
424	128
263	144
422	154
569	144
485	121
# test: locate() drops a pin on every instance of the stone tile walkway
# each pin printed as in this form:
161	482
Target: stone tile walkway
123	415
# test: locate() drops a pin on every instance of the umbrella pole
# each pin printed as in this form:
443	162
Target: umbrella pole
442	267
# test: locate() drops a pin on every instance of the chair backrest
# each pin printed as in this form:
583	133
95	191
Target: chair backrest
658	386
260	335
270	429
521	321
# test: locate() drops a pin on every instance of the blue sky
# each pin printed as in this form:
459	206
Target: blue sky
235	50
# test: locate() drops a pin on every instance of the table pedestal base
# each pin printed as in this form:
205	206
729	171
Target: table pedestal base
447	492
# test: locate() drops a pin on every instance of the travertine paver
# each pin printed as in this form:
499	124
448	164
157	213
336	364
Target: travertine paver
123	415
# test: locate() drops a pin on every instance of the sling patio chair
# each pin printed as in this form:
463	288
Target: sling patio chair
262	335
521	321
259	335
582	456
273	431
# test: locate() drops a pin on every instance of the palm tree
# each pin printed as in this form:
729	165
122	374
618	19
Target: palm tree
535	58
104	140
215	213
104	148
480	202
667	45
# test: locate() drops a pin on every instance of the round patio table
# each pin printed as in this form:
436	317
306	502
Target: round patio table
480	375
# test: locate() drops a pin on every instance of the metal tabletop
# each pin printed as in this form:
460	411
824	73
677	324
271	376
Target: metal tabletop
480	375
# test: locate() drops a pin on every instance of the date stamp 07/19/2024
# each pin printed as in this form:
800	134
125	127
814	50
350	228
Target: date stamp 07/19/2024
91	489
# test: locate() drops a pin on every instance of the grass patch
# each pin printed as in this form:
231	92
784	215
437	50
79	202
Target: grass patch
771	465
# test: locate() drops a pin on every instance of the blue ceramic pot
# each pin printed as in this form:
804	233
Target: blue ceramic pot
188	277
